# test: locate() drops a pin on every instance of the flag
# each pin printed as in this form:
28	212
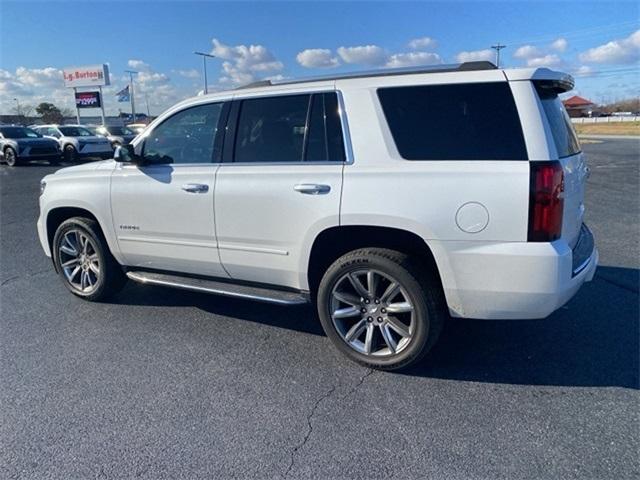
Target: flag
123	95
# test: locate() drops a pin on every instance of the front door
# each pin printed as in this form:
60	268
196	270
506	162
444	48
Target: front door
163	210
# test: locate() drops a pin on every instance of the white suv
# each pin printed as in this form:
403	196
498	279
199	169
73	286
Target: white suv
390	200
77	141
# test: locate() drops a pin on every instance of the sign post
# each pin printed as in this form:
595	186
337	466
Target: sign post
102	105
75	95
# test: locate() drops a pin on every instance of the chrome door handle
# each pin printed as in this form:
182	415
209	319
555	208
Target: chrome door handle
195	187
312	188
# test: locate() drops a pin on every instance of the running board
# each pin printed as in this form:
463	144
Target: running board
260	294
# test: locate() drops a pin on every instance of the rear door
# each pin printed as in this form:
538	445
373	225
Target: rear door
572	160
279	186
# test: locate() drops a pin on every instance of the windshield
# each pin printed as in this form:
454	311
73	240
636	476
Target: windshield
75	132
19	132
120	131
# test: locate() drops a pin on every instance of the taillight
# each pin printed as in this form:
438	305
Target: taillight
546	201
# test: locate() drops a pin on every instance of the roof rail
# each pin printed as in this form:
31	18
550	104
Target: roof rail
259	83
382	72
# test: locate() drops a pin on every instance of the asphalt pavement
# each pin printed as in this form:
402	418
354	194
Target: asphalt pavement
160	383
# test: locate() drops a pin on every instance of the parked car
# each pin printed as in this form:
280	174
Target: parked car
391	200
117	135
22	144
77	141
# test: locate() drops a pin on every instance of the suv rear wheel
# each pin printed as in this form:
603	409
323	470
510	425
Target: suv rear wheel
380	309
84	261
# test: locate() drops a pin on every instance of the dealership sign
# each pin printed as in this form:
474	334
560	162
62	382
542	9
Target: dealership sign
89	76
88	100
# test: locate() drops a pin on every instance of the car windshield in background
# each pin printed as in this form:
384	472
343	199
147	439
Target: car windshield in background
18	132
564	136
76	132
120	131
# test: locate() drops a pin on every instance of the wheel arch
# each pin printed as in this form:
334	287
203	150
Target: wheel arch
56	216
334	242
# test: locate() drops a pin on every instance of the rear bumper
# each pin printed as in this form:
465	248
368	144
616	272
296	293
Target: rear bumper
513	280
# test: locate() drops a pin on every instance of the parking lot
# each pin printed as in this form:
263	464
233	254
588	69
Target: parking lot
160	383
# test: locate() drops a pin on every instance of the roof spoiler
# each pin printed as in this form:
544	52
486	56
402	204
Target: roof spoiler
545	78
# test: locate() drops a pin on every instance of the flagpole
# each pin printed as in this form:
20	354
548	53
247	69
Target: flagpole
133	103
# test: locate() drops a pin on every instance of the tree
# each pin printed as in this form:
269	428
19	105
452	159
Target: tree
49	113
22	110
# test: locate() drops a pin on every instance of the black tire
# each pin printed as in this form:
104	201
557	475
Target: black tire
111	278
11	157
70	153
420	285
54	161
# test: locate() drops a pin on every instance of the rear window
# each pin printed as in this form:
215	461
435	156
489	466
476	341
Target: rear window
476	121
564	136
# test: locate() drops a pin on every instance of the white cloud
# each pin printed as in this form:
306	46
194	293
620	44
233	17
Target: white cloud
242	62
583	71
317	58
412	59
549	60
422	43
363	55
620	51
527	51
190	73
476	56
139	65
559	45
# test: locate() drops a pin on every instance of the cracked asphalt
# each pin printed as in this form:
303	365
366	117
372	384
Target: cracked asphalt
167	384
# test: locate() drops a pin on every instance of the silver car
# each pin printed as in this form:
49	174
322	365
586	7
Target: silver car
21	144
77	141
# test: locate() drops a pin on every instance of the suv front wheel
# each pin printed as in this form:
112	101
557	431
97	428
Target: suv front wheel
84	261
381	308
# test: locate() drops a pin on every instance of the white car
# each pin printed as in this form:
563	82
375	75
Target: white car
390	199
77	141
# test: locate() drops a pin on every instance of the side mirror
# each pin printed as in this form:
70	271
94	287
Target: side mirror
127	154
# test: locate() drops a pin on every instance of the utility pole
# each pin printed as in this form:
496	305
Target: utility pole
133	102
497	47
204	68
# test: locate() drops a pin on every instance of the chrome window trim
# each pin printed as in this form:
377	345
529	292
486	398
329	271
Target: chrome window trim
344	124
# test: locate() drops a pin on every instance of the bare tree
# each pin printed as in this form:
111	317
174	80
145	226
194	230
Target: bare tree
23	111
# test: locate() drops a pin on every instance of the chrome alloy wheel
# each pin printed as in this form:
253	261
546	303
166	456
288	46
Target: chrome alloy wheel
372	312
79	261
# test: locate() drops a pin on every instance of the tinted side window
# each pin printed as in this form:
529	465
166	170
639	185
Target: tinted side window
186	137
564	136
271	129
324	139
476	121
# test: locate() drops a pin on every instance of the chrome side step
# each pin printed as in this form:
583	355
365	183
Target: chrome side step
259	294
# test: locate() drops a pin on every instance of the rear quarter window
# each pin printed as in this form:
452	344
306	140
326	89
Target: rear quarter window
477	121
564	135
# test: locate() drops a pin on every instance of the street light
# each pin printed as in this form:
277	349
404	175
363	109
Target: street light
204	68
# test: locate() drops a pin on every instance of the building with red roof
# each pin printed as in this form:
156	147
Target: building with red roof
579	107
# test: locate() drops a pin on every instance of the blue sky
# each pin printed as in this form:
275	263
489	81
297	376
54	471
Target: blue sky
596	41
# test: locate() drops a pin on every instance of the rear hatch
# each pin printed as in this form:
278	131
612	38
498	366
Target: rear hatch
569	155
